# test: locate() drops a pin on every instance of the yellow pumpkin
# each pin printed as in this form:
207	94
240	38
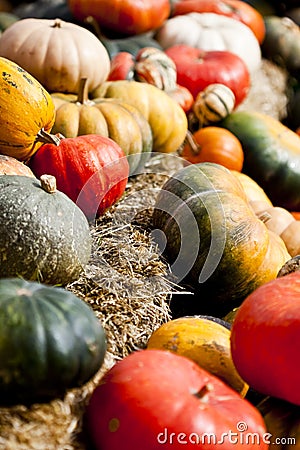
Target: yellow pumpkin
206	341
167	119
26	108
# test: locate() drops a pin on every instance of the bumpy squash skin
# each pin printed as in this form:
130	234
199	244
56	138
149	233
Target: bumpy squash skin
272	155
50	341
213	239
43	236
167	119
25	108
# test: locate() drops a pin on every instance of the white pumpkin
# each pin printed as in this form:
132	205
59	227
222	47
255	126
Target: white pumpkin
57	53
210	31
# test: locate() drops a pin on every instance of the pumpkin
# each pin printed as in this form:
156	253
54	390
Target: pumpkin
77	115
210	31
26	108
291	237
12	166
255	194
166	118
278	219
204	340
212	238
272	155
92	170
214	103
265	334
282	43
128	17
6	19
66	53
211	144
197	69
238	10
50	341
130	44
43	235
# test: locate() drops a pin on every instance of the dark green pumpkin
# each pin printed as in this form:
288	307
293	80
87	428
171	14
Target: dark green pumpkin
282	43
271	155
44	236
50	341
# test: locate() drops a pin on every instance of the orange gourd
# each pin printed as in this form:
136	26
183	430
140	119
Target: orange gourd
214	144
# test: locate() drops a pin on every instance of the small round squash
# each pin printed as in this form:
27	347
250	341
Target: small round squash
12	166
50	341
43	235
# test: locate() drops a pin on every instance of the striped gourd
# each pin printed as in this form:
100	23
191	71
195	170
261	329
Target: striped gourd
214	103
25	109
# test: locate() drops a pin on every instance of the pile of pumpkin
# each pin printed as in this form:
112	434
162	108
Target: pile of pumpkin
77	122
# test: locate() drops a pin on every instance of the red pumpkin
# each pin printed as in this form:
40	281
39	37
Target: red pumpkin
211	144
130	17
236	9
265	338
92	170
156	398
196	69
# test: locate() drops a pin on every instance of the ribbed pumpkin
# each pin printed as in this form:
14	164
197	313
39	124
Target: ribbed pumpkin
50	341
213	239
92	170
205	340
122	122
25	109
65	53
167	119
43	235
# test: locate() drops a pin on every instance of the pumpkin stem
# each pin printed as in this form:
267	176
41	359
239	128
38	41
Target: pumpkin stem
83	92
56	23
47	138
195	147
203	391
48	183
90	20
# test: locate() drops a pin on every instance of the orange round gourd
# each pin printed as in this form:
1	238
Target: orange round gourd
214	144
26	108
12	166
56	53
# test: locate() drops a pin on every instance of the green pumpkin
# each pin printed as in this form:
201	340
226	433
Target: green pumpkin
44	235
50	341
272	155
7	19
282	43
212	239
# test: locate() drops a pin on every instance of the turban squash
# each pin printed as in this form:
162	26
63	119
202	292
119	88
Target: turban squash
212	237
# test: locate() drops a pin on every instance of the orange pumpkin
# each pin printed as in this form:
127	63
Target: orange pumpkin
214	144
